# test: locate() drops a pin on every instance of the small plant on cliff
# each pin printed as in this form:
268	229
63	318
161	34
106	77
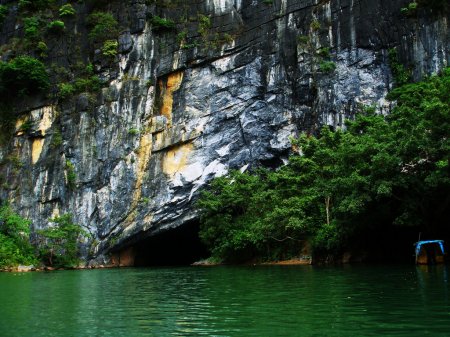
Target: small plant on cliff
66	10
204	25
133	131
103	26
315	25
56	27
71	176
65	90
109	48
400	73
31	27
59	244
42	49
161	24
327	66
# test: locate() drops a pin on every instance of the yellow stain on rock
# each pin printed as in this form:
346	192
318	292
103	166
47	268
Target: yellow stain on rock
46	120
176	158
143	157
21	121
143	154
173	84
36	149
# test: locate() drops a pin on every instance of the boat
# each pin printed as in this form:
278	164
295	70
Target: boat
430	252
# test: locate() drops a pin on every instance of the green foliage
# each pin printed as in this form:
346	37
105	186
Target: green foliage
57	139
162	24
103	26
88	84
42	48
31	27
204	25
56	27
315	25
410	9
4	10
66	10
66	90
303	39
327	66
15	247
400	73
181	36
324	52
58	245
71	175
133	131
21	77
109	48
345	185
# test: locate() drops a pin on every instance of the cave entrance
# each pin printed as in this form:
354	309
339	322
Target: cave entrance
174	247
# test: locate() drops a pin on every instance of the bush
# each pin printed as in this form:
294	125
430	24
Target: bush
58	245
15	247
327	66
31	27
66	10
89	84
42	48
161	24
104	26
56	26
109	48
66	90
71	175
22	76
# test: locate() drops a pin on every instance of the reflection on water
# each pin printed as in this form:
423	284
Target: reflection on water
228	301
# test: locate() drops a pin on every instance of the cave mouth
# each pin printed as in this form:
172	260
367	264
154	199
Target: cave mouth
178	246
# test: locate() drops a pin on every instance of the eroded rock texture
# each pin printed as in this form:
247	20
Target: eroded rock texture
224	90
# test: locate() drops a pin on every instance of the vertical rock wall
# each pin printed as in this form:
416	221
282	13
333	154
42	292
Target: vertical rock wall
225	90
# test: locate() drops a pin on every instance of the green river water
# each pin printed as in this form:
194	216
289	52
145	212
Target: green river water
228	301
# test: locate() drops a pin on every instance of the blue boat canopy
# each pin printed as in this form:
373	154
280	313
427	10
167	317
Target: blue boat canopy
421	243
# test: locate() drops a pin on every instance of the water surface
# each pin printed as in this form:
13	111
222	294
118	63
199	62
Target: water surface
228	301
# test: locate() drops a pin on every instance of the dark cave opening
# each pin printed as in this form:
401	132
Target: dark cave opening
179	246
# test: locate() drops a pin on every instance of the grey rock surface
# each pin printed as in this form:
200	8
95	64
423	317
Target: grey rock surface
178	112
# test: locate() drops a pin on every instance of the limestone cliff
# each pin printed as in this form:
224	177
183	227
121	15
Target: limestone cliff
224	87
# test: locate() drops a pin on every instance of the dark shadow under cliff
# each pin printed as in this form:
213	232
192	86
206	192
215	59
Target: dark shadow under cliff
178	246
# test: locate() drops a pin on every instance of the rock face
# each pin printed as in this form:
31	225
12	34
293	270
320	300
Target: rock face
225	89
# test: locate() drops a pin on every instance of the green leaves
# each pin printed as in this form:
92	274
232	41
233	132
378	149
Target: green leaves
15	247
103	26
22	76
58	244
